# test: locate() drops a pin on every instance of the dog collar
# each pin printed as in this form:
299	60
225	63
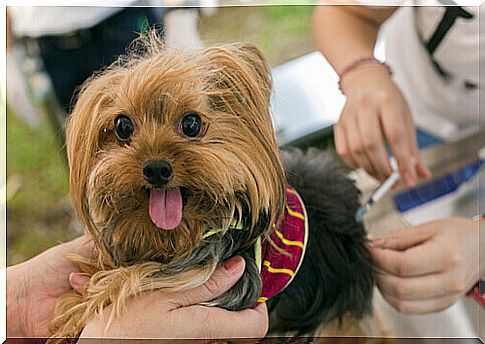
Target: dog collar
235	224
279	265
277	268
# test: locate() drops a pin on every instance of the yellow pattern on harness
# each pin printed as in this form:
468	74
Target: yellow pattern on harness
278	270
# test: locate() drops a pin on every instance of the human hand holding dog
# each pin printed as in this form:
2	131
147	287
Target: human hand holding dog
34	286
429	267
179	314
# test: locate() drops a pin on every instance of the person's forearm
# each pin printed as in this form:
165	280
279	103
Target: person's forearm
16	302
22	278
345	34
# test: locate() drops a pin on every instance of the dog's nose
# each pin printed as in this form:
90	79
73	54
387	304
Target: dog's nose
157	172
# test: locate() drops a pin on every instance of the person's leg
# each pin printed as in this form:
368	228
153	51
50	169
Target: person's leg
64	60
112	37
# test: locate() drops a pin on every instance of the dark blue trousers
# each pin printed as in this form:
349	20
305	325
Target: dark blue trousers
70	59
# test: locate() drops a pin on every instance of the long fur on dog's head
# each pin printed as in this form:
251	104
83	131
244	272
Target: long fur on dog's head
231	170
227	180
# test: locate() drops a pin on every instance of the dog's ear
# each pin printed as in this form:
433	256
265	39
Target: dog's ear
258	63
85	129
240	87
242	78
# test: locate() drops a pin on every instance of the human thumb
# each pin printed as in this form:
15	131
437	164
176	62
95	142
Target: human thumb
223	278
78	282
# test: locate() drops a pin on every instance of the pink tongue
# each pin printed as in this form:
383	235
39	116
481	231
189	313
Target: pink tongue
165	208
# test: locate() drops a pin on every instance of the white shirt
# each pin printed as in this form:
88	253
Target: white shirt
444	107
36	21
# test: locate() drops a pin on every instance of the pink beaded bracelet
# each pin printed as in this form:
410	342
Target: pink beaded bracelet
357	63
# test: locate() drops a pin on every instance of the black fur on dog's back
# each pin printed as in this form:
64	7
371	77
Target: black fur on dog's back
336	277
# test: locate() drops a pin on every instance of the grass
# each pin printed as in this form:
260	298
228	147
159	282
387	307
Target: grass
35	156
38	212
281	32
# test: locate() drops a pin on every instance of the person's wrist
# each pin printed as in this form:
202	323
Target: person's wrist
17	301
364	78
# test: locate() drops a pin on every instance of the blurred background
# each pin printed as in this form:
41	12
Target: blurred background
39	212
51	50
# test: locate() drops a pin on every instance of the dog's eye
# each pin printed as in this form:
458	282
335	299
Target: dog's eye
124	127
191	125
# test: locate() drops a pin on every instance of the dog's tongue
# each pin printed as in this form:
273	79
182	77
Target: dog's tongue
165	208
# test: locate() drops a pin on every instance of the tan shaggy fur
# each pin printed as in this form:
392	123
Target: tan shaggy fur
229	87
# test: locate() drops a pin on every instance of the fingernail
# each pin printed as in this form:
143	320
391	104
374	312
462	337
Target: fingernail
233	265
427	172
409	179
413	173
78	279
377	243
374	237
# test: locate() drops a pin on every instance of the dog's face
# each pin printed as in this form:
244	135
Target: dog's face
171	144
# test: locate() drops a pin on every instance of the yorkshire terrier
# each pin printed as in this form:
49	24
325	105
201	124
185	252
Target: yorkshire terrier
175	168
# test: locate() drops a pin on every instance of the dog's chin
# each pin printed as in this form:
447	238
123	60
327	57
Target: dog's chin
131	236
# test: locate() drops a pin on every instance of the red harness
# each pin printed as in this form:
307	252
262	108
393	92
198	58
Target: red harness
478	293
277	268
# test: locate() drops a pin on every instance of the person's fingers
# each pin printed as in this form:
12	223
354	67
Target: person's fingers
418	288
421	169
220	323
373	143
401	239
221	281
341	145
409	262
78	282
250	321
356	148
82	246
398	139
421	306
